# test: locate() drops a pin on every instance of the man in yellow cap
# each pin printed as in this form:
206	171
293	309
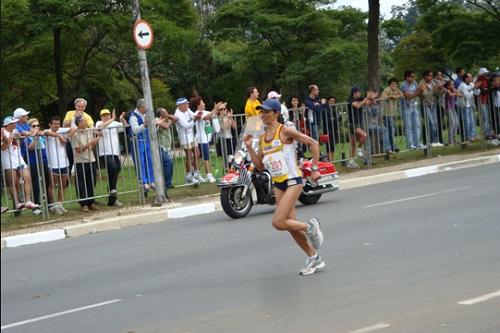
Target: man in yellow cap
109	150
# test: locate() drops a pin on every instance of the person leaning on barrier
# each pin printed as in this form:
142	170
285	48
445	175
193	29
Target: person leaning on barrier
141	154
440	107
69	121
495	104
468	90
450	109
227	144
57	138
39	164
164	122
14	166
25	130
83	142
330	120
356	102
483	85
313	111
391	96
185	130
109	150
428	91
205	128
409	111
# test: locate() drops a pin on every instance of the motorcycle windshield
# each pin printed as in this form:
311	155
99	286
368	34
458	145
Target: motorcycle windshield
254	127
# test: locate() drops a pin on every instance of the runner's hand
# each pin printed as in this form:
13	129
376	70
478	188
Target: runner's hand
315	175
248	140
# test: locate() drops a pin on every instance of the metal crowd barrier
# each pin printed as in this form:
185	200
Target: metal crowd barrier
389	128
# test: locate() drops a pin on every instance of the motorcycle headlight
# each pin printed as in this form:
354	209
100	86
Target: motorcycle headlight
239	157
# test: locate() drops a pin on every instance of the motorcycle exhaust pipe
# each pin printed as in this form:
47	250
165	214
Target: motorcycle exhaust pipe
321	190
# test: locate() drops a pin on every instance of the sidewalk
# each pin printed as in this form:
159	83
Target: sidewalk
118	219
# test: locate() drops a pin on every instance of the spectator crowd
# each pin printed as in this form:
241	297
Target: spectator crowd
70	149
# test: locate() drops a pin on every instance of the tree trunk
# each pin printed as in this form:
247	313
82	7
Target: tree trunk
373	41
59	72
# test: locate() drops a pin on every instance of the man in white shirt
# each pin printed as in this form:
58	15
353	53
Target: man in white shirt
57	137
109	150
141	153
185	123
205	124
284	110
468	90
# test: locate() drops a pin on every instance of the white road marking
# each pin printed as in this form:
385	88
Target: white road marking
418	197
372	328
24	322
480	298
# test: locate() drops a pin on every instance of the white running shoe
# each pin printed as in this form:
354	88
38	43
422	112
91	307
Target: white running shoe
360	153
352	165
421	146
494	142
315	234
55	209
198	177
312	265
188	179
211	178
61	208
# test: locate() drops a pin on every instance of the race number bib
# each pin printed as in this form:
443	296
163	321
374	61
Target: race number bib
275	163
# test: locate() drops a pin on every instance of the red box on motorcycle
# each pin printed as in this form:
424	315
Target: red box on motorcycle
325	168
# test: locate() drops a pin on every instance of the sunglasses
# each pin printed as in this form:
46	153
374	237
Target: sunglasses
35	125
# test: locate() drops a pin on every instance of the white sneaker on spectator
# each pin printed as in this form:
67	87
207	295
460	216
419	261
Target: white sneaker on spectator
4	209
494	142
412	148
55	209
198	177
436	144
61	208
146	187
188	179
421	146
36	211
360	153
118	204
211	178
352	165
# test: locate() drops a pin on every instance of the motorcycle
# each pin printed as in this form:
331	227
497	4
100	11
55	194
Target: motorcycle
243	186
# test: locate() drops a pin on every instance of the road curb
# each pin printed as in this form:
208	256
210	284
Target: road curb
214	205
34	238
417	172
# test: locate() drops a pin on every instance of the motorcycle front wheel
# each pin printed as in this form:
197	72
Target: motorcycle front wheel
309	199
233	204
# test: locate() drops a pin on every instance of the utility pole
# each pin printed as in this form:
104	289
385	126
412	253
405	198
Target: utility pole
150	116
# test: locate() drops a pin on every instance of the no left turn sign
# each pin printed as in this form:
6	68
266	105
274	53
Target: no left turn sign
143	34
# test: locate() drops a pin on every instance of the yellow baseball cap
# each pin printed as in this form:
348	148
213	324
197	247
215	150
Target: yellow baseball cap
105	111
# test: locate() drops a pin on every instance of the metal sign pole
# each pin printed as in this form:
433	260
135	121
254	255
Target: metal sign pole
150	116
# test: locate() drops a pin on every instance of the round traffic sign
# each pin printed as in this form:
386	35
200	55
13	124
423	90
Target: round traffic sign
143	34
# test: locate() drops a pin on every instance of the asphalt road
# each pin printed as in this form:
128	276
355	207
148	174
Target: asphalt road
400	256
